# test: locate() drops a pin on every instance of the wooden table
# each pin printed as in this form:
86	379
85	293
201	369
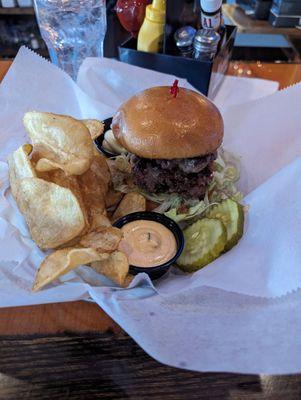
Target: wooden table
75	351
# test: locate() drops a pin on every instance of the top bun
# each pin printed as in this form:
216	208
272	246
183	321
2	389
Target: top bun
154	124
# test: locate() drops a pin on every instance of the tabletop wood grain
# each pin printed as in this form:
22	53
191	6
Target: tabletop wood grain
78	352
105	367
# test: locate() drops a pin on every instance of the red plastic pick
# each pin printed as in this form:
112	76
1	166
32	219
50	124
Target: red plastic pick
174	90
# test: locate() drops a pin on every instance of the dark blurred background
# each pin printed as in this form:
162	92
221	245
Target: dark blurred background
268	30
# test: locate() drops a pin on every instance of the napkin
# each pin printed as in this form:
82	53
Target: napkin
229	316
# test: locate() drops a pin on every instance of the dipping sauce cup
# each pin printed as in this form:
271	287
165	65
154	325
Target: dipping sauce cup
149	238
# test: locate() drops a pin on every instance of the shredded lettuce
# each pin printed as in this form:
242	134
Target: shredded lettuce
223	186
165	201
226	174
192	212
120	168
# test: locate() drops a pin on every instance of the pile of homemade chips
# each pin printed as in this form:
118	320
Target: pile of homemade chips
61	184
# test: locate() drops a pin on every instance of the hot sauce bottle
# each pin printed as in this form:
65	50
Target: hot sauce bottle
212	19
211	14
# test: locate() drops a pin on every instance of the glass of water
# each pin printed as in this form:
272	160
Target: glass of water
72	30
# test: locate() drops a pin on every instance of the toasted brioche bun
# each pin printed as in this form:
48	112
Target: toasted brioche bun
154	124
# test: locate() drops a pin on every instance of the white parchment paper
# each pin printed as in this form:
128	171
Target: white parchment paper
228	316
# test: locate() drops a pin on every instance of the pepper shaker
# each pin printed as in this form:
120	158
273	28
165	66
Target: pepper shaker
205	44
184	40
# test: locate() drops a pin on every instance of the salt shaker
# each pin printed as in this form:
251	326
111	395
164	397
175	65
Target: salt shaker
184	40
205	44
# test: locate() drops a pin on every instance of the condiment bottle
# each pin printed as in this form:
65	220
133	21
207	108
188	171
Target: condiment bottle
211	14
205	44
184	40
131	14
150	38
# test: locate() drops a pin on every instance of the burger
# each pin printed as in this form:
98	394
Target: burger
173	140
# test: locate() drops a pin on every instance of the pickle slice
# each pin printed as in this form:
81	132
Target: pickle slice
231	214
204	242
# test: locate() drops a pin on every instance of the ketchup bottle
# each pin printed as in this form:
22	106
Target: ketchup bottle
131	14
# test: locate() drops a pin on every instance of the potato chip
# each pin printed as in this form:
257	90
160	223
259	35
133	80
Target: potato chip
61	141
100	168
95	127
132	202
128	280
94	186
90	189
19	166
60	178
44	165
63	261
104	240
113	198
115	267
99	221
70	182
19	163
53	213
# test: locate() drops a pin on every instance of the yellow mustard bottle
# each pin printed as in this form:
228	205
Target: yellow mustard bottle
150	37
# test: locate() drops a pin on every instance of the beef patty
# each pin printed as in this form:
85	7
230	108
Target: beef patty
189	177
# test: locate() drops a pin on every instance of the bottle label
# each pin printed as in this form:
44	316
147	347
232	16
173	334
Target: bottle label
211	21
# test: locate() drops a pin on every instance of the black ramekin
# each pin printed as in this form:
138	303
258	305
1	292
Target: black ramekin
160	270
99	141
